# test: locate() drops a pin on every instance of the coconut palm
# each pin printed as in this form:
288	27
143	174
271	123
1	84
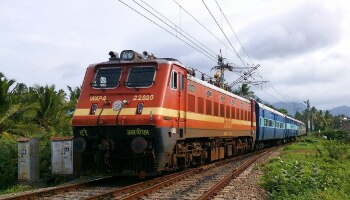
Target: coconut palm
5	93
328	120
14	115
314	117
73	97
51	110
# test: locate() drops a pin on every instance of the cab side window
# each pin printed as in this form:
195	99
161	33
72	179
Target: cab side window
182	82
173	81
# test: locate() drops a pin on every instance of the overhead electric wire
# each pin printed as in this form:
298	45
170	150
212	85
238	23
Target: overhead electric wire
223	32
193	44
177	27
213	58
205	28
222	12
175	30
275	94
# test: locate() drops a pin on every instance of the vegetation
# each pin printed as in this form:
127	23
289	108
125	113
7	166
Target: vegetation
323	120
44	111
313	168
38	111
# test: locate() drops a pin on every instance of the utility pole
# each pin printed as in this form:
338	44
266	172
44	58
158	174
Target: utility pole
308	115
220	75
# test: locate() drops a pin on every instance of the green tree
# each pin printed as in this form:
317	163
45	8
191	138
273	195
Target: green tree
314	117
14	114
298	116
5	92
52	110
74	95
283	111
327	120
244	91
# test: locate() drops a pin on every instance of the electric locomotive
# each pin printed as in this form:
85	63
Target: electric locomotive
139	115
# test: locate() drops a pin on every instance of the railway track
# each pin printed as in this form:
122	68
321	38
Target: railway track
205	184
69	191
196	183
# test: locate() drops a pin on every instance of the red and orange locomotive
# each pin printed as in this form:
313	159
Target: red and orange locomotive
139	115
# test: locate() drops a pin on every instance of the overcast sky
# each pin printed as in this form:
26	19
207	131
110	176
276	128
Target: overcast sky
303	47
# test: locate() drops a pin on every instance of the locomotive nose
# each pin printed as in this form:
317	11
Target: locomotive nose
138	145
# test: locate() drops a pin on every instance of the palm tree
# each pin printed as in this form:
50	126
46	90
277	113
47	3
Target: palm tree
14	115
313	114
5	93
52	107
74	95
328	120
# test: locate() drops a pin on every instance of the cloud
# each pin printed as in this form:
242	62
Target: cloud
305	28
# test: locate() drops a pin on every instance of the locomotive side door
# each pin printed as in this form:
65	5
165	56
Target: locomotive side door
179	82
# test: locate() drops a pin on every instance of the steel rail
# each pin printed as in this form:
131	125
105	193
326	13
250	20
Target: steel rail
54	190
235	173
139	187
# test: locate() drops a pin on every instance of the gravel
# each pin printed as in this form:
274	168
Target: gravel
246	186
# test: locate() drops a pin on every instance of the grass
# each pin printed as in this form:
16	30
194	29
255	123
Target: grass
15	189
312	168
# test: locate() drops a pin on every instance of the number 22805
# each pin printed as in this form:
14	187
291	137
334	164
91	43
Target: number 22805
145	97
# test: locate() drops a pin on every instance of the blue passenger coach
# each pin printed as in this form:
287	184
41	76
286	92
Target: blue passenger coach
273	127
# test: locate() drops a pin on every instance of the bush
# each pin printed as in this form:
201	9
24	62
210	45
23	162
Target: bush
310	169
8	163
336	150
335	134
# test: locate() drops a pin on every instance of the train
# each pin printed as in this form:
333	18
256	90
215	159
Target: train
140	115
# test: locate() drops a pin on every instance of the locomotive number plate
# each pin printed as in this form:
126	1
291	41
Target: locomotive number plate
145	97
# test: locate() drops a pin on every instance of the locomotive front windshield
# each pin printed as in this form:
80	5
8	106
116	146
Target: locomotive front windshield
107	78
141	76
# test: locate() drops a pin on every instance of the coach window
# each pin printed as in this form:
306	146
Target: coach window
266	123
173	81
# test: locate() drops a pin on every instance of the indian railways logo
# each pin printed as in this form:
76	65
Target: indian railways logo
137	132
83	132
97	98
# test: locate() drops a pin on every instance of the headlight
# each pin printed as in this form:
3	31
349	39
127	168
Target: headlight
127	55
117	105
138	145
